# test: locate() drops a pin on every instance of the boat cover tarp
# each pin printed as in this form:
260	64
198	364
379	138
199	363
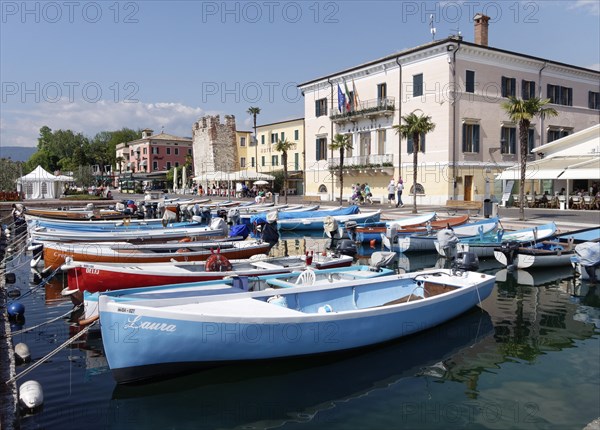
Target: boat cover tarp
350	210
589	253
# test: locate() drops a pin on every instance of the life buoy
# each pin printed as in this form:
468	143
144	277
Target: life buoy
218	263
127	221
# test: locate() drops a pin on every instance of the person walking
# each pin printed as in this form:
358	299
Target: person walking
391	192
368	194
399	189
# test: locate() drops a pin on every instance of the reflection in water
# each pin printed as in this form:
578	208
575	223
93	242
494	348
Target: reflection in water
272	393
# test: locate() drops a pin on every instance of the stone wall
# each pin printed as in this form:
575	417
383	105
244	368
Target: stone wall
214	145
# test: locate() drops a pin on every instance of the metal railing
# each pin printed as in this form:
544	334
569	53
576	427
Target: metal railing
364	108
364	161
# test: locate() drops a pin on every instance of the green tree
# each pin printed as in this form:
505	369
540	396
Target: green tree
254	111
342	143
284	146
414	126
522	112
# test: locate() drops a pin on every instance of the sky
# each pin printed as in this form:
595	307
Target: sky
93	66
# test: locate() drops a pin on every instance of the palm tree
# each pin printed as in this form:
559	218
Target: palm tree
414	126
342	143
254	111
284	146
522	112
119	161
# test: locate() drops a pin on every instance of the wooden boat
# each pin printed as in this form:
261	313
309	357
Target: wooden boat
317	223
406	226
485	247
418	242
182	331
556	251
76	214
124	224
94	277
239	283
217	228
55	253
306	220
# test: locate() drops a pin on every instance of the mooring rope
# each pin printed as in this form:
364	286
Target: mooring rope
50	355
25	330
42	283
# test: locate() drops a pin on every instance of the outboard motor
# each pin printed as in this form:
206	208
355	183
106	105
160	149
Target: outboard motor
351	229
219	225
509	249
447	241
205	215
381	259
588	254
330	226
391	232
222	213
465	261
346	247
233	216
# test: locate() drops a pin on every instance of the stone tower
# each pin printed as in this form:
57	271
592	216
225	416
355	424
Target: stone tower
214	145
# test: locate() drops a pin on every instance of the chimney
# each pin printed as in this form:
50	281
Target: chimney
481	29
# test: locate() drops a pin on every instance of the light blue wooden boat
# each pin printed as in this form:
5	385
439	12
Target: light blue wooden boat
426	241
364	236
161	336
485	247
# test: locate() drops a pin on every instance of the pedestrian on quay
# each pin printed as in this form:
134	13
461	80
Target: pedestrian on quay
399	189
391	192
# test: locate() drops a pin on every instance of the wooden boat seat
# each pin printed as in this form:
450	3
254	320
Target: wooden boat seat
431	289
265	265
238	307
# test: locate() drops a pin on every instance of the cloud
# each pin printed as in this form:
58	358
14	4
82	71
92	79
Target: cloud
594	67
589	6
19	126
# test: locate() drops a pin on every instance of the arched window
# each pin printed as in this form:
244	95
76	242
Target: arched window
420	189
322	188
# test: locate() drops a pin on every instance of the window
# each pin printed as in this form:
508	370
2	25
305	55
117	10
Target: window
508	87
296	161
282	136
594	100
420	189
321	148
418	85
470	81
262	139
508	140
168	165
273	137
262	160
320	107
381	135
177	164
322	188
527	89
176	151
145	151
470	138
242	141
560	95
556	133
296	134
252	162
530	140
168	151
410	145
189	151
381	93
365	143
242	161
155	165
274	160
155	150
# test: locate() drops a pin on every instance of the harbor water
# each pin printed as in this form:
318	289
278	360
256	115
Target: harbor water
528	358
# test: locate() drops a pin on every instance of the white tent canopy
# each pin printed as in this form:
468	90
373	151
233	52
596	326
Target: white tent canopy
583	167
242	175
41	184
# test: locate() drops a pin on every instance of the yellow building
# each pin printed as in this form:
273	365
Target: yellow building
269	160
244	140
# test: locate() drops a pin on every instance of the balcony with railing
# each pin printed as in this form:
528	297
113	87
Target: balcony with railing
365	109
365	164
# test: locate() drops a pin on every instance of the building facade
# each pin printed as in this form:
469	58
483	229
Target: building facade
153	153
264	158
243	139
461	85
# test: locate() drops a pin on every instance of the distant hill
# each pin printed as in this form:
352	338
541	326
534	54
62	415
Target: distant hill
16	153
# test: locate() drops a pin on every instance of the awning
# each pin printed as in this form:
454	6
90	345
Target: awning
584	167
